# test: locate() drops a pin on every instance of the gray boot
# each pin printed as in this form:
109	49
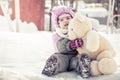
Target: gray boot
55	64
81	65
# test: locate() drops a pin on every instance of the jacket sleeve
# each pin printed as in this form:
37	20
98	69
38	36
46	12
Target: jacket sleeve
63	46
55	39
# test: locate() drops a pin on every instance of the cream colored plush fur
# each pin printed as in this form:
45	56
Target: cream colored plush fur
95	45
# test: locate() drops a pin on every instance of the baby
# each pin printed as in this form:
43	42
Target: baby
66	57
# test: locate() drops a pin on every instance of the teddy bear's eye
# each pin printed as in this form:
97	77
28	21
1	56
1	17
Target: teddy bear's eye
71	29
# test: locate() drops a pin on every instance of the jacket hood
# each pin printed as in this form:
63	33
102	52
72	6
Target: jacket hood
57	11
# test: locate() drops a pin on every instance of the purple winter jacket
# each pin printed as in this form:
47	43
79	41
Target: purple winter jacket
55	38
62	45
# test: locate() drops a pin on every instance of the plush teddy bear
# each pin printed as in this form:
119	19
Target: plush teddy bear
95	45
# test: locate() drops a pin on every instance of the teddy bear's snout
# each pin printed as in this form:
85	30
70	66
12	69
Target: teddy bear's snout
67	35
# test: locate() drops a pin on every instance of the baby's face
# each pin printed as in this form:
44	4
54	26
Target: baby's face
63	20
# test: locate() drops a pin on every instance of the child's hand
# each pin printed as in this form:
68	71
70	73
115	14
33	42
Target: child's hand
74	44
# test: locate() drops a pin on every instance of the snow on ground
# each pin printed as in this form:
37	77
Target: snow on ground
23	55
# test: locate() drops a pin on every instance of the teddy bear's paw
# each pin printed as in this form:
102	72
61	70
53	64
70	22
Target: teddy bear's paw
94	68
107	66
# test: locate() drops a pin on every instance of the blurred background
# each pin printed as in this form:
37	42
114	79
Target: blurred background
26	35
17	14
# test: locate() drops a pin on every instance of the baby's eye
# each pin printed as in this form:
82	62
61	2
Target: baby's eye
61	20
68	18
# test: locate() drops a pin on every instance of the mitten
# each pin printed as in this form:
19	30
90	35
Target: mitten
74	44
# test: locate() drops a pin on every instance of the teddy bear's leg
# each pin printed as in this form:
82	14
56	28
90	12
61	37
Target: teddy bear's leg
107	66
94	68
105	54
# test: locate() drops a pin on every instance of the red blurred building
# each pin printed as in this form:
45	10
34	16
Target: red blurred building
30	11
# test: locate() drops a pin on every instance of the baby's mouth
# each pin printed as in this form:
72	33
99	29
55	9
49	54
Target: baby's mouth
66	24
65	33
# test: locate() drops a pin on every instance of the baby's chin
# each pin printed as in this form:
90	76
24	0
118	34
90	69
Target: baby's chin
64	31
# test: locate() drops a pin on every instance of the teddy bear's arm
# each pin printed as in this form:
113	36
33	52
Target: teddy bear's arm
92	41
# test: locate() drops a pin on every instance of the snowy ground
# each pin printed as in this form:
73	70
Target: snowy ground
23	55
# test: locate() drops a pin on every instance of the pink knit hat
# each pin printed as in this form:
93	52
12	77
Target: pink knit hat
57	11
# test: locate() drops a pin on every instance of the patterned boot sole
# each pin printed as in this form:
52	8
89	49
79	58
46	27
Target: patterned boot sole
84	66
50	67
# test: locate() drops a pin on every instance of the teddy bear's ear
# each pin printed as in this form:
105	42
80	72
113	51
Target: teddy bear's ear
80	17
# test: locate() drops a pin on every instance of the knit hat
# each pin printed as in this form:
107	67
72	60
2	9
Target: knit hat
57	11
